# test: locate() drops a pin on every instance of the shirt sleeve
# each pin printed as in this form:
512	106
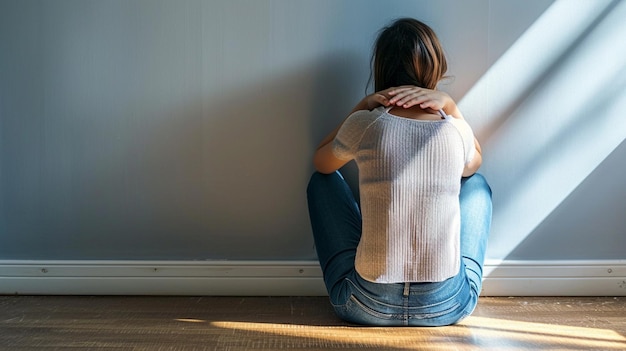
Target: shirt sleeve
349	136
468	138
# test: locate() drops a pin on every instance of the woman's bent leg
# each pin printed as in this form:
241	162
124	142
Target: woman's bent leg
476	210
336	223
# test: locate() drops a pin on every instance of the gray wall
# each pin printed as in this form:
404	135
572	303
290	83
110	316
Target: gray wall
184	129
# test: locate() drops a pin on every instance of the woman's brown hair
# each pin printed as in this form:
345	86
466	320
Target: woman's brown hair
408	53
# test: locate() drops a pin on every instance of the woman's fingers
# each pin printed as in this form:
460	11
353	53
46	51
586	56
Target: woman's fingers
412	96
404	92
377	99
408	98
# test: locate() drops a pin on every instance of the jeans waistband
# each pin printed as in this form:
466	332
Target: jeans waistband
425	294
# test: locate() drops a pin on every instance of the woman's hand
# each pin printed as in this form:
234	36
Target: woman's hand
377	99
372	101
427	99
407	96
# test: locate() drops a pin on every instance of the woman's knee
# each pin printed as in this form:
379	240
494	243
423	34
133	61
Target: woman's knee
476	182
321	181
314	183
476	208
475	191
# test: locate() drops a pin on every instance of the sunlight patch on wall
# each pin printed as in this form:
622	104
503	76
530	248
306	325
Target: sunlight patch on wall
549	112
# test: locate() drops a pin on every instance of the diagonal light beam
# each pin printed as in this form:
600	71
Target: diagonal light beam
551	112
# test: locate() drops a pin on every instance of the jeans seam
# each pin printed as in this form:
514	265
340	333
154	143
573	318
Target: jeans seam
405	296
366	295
372	312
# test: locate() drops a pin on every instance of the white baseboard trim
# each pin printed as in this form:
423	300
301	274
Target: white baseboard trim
555	278
283	278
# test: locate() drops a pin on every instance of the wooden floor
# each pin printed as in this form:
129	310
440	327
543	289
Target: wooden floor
297	323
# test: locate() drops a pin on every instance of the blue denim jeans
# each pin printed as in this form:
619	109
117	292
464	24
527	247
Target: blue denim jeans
336	223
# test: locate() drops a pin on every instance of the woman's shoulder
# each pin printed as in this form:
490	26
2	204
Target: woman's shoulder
365	117
459	122
375	113
360	121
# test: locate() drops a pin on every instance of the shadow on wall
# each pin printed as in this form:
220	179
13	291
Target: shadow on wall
259	150
594	208
333	100
218	177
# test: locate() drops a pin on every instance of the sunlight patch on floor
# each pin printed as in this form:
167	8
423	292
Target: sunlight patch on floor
485	333
510	333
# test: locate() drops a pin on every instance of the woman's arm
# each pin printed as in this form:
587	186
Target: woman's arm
476	161
324	159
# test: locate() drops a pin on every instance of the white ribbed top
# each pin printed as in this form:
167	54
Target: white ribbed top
409	177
